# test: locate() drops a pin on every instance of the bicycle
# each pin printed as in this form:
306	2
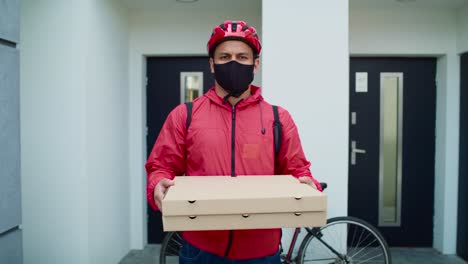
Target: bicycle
343	239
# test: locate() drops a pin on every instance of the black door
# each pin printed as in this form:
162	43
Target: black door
163	93
392	142
462	244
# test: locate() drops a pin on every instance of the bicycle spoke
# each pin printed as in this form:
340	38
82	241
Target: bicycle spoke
354	235
340	239
363	247
334	240
174	251
170	247
178	237
367	253
357	246
322	259
337	239
344	240
368	250
367	260
359	241
178	243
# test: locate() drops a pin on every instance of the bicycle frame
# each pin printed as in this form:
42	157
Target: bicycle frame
288	259
315	231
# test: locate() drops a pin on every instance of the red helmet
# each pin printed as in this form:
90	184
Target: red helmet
234	30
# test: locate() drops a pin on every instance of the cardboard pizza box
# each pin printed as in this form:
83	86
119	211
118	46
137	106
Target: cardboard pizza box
242	202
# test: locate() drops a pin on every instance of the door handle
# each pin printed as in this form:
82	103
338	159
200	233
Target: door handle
355	151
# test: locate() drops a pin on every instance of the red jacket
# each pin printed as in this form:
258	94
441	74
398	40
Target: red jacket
227	140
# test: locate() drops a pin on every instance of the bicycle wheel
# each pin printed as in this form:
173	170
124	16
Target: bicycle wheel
344	240
170	247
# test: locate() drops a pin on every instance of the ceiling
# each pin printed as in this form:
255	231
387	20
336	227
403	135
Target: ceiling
414	3
213	4
209	4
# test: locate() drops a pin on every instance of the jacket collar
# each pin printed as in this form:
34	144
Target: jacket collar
255	97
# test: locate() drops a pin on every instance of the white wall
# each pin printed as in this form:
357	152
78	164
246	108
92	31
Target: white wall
408	31
169	29
74	136
107	109
462	26
306	70
401	30
52	99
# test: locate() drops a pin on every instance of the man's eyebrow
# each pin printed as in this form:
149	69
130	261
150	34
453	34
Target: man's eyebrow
229	53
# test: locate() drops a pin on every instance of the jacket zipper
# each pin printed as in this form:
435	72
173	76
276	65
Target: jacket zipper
233	167
233	142
231	233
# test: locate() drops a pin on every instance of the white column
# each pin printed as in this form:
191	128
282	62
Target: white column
74	136
462	29
306	70
53	165
446	167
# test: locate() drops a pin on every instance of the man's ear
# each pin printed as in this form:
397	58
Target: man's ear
212	65
256	65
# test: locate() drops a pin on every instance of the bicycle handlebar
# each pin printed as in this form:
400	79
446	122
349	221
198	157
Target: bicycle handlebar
324	185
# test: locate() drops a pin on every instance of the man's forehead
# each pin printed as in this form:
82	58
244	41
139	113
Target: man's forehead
233	46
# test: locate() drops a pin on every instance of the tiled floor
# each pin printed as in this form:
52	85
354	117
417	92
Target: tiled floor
423	255
150	255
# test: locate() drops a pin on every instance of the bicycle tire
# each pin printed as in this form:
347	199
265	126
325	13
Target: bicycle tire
170	247
375	249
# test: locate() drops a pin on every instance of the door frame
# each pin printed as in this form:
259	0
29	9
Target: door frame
419	75
463	186
180	66
137	144
446	146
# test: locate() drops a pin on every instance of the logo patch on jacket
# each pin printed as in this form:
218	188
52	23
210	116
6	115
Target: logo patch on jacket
251	151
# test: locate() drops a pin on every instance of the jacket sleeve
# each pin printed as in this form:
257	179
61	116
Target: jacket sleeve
291	159
167	159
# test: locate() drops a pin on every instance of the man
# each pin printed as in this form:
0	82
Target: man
231	133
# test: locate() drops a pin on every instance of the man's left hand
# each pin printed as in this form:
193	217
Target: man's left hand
308	180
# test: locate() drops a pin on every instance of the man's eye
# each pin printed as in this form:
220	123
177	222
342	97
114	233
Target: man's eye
224	57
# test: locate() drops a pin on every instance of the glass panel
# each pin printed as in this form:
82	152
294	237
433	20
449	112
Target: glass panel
192	83
390	132
191	86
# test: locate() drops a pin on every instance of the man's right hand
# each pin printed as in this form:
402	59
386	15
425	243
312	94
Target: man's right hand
160	190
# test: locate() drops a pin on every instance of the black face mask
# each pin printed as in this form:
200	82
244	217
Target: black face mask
234	77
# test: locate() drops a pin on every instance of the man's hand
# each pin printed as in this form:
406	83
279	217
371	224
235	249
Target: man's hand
160	190
308	180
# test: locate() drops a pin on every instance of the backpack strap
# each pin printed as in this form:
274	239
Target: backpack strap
189	106
277	129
